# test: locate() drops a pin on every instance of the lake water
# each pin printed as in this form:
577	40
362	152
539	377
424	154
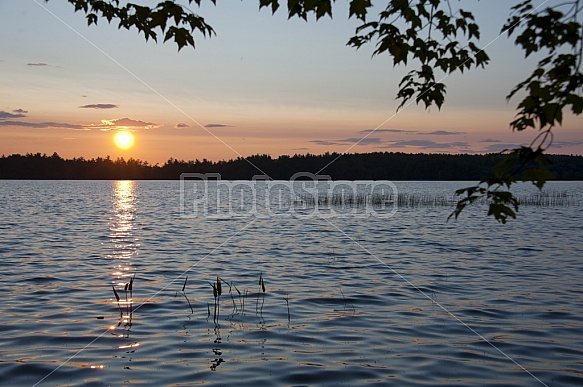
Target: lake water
405	300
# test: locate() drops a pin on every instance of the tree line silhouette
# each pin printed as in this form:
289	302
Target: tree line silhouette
362	166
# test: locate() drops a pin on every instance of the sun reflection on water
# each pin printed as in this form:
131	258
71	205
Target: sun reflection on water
122	224
125	248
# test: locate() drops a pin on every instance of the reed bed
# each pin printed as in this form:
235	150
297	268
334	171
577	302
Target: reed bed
539	199
549	199
361	200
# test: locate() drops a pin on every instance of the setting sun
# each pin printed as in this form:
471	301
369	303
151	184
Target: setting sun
123	140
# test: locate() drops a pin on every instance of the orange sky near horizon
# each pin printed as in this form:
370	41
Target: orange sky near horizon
263	85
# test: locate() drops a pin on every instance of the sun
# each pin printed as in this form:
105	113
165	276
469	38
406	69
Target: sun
123	140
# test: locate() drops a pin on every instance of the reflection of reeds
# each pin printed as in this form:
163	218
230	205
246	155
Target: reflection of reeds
217	351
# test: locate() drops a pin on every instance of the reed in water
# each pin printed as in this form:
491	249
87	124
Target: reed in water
540	199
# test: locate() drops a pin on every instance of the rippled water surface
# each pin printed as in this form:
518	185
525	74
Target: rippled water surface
407	300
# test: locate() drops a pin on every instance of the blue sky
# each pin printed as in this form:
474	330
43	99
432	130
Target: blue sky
263	84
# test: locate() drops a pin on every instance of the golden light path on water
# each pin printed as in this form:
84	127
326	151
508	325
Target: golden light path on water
125	248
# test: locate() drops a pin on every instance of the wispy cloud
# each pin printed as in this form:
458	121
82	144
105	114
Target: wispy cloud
444	133
6	115
43	125
217	126
563	144
360	140
426	144
490	140
182	125
99	106
20	111
324	142
352	140
39	64
7	119
121	123
368	131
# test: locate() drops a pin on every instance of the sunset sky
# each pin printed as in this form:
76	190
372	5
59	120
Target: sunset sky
263	84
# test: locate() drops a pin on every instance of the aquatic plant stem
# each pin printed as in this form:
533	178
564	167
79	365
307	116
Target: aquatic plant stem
287	303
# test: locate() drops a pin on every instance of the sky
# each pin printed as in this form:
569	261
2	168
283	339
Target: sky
263	85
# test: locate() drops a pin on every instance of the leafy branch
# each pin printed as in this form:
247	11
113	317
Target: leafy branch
176	22
408	32
555	84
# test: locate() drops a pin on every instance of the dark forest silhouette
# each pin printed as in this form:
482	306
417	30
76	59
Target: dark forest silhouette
364	166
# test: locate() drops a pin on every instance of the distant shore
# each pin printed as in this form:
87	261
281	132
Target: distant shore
363	166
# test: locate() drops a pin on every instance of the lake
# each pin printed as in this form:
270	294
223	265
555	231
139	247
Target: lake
400	298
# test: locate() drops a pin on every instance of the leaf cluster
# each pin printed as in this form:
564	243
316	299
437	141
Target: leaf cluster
176	22
430	33
554	85
522	163
557	81
320	8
